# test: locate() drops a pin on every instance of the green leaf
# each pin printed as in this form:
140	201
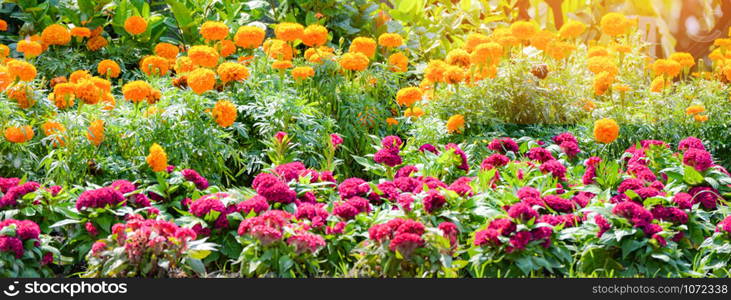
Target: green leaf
691	176
64	223
199	254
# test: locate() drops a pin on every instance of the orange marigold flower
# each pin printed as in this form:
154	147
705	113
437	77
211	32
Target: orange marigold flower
157	159
458	57
354	61
622	88
108	68
22	94
589	105
487	54
598	64
55	130
137	91
523	30
203	56
5	79
473	40
685	59
505	37
88	91
700	118
454	75
614	24
201	80
249	37
602	82
81	32
541	39
96	42
56	34
390	40
231	71
595	51
20	134
571	29
104	85
22	70
434	71
413	112
658	84
408	96
135	25
3	25
4	51
95	132
224	113
167	50
300	73
391	121
63	95
29	48
695	109
315	35
154	65
559	50
667	67
289	31
398	62
606	131
184	65
363	45
78	75
319	54
214	31
455	124
282	64
278	49
226	48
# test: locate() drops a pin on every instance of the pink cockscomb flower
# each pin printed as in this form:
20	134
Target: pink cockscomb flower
494	161
522	211
434	201
335	140
353	187
463	165
7	183
503	145
306	242
273	189
556	168
638	215
14	193
91	229
540	154
602	223
388	156
698	159
257	204
691	143
429	147
191	175
99	198
559	204
707	196
279	136
406	243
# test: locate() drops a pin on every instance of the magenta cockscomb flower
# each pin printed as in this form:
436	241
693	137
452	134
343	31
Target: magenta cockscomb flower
91	229
14	193
602	223
406	243
12	245
353	187
306	242
707	196
528	192
406	171
463	165
504	227
191	175
725	225
559	204
99	198
273	189
290	171
316	213
519	240
556	168
429	147
391	141
540	154
636	213
683	200
206	204
335	140
630	184
487	237
462	187
7	183
522	211
670	214
699	159
564	137
338	228
544	234
691	143
494	161
433	201
503	145
570	148
279	136
388	156
257	204
410	226
345	210
450	231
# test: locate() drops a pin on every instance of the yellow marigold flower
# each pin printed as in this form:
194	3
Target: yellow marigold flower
559	50
96	42
413	112
278	49
4	51
434	71
249	37
695	109
56	34
22	94
606	131
541	39
315	35
167	50
504	37
137	91
595	51
398	62
667	67
589	105
391	121
135	25
354	61
282	64
57	130
154	65
108	68
658	84
300	73
20	134
88	91
487	54
3	25
598	64
685	59
723	43
95	132
231	71
473	40
614	24
224	113
571	29
523	30
390	40
81	32
481	73
213	31
363	45
602	82
5	79
201	80
78	75
622	88
22	70
454	75
226	48
63	95
157	159
29	48
700	118
289	31
458	57
408	96
184	65
455	124
203	56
